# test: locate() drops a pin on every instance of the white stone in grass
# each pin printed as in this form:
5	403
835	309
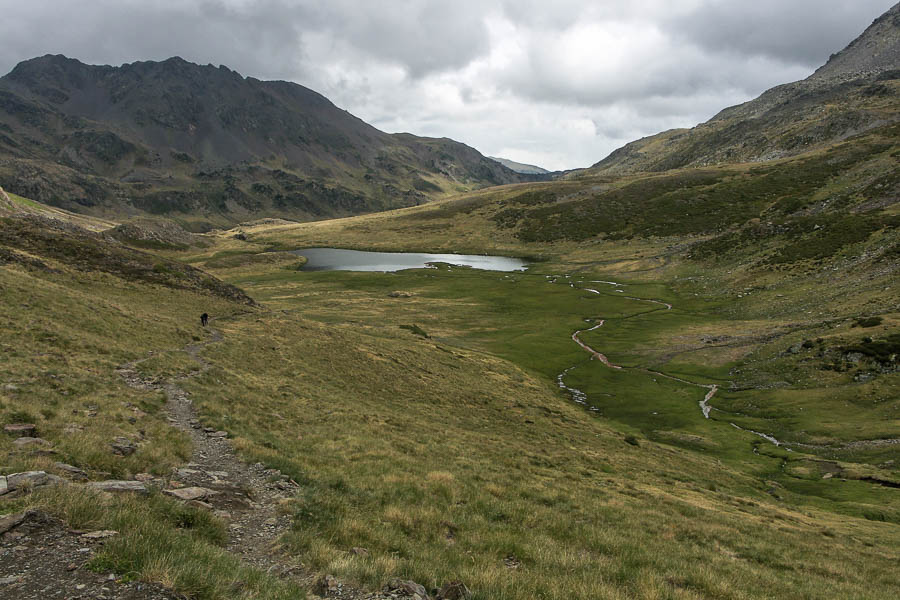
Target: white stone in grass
190	493
119	486
100	535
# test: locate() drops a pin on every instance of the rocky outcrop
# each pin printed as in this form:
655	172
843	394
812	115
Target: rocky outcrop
27	480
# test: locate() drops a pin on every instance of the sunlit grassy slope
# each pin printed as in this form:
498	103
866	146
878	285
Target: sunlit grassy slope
457	456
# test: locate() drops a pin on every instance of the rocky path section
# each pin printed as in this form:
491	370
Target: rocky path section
248	497
41	559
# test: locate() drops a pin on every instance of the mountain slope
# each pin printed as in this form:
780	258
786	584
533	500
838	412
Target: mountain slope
857	90
520	167
206	143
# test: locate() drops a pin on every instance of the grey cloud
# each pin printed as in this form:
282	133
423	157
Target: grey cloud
802	32
109	32
523	77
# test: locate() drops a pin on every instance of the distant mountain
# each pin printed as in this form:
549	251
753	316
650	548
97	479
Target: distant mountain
210	146
857	90
520	167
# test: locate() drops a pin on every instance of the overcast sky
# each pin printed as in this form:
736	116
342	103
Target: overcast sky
559	84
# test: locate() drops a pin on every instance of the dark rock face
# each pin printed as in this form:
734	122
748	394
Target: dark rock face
175	137
856	91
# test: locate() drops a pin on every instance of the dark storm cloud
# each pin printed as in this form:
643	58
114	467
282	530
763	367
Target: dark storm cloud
263	38
558	83
257	42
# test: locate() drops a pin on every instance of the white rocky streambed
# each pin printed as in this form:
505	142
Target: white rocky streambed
581	397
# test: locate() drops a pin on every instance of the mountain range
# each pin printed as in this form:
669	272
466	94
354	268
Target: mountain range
211	147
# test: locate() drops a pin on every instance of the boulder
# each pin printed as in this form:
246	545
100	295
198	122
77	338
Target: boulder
399	294
408	588
356	551
455	590
11	521
75	472
123	446
119	486
20	429
219	434
28	478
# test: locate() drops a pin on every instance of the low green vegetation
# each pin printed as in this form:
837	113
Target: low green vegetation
455	431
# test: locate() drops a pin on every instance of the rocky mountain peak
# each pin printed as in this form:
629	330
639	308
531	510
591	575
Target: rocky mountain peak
875	51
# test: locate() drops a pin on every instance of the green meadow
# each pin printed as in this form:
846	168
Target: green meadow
420	411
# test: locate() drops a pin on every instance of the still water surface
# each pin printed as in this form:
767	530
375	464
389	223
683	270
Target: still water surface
335	259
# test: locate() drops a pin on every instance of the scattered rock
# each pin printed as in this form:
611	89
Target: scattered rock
123	446
186	473
100	535
853	357
11	522
455	590
10	580
30	479
190	493
327	584
119	486
219	434
410	588
73	428
20	429
24	442
863	377
144	477
75	472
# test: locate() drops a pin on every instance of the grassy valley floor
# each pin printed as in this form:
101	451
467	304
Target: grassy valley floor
431	417
457	455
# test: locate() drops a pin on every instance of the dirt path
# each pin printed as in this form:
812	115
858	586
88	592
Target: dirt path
248	497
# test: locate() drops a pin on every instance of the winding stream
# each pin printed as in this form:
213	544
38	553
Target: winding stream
581	397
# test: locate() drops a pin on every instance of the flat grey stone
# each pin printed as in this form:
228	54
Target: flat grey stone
100	535
30	441
119	486
34	478
190	493
20	428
